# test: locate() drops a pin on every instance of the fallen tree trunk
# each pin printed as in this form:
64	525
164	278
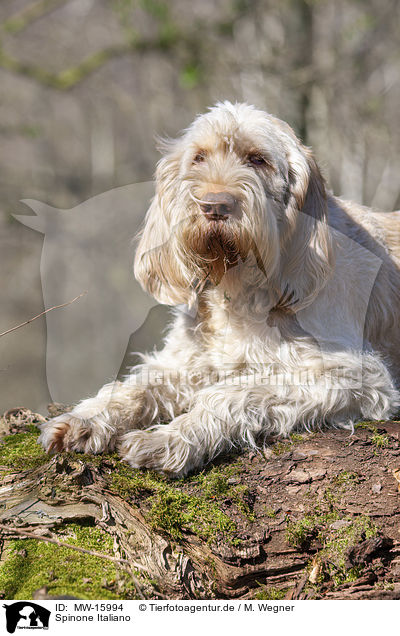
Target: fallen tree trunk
316	516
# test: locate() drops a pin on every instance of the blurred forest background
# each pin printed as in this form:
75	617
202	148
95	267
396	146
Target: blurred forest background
86	84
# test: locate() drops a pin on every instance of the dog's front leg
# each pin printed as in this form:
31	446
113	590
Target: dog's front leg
225	416
157	391
95	424
220	417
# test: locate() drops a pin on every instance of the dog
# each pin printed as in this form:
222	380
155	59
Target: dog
287	304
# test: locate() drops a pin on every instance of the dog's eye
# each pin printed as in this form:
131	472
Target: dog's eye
199	156
256	160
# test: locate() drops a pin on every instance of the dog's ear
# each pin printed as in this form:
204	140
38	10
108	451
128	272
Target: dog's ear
156	267
306	241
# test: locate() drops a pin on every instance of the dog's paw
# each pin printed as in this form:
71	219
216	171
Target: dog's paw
70	432
161	448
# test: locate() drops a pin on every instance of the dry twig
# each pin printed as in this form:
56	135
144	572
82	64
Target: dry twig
42	314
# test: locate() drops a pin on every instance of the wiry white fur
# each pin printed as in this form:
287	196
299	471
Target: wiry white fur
301	330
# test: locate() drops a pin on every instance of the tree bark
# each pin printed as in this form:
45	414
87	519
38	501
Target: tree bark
316	516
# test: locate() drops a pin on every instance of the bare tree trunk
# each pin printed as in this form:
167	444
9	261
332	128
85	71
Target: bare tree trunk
305	54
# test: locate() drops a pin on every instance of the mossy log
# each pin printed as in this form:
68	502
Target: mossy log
314	516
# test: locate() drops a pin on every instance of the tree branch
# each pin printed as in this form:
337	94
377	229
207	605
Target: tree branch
4	333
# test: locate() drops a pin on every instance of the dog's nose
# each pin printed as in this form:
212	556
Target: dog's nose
218	204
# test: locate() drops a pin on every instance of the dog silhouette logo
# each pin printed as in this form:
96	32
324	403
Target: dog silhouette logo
26	615
89	249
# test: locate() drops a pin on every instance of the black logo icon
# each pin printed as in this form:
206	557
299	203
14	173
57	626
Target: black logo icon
26	615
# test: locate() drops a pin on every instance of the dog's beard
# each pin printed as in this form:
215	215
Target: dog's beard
212	248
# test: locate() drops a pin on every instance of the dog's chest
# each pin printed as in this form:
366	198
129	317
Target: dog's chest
233	334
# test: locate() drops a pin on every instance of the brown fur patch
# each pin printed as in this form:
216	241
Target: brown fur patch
57	445
214	247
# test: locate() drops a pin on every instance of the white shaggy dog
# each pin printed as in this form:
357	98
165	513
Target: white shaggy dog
293	297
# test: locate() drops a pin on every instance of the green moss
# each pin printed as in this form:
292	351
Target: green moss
346	477
336	546
270	513
173	511
221	482
129	483
300	533
384	585
214	483
31	564
380	441
270	593
287	445
91	460
369	426
21	451
296	437
192	505
332	495
335	541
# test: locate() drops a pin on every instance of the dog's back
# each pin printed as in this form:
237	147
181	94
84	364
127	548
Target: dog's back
379	233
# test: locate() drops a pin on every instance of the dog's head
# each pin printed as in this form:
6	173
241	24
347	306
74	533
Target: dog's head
237	191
